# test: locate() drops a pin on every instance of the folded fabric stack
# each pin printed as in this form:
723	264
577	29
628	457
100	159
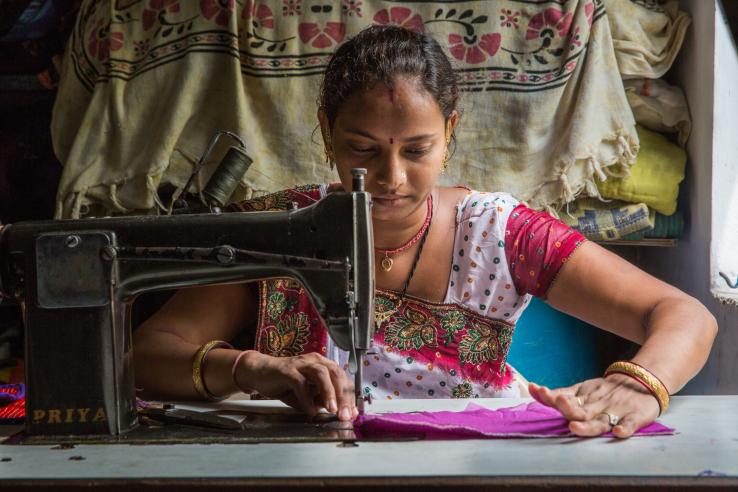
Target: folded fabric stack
647	36
643	204
664	227
607	221
611	221
654	179
659	106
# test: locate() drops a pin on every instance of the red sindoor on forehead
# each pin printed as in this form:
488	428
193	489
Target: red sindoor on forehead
391	95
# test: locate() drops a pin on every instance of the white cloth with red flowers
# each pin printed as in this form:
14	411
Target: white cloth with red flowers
146	84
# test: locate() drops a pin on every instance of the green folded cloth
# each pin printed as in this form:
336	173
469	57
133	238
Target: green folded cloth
667	226
636	236
607	221
655	176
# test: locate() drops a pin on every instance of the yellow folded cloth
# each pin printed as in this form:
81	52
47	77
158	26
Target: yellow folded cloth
655	177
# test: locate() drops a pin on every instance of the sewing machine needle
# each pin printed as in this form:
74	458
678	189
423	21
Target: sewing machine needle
358	383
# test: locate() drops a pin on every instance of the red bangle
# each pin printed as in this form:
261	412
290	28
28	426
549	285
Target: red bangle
633	376
653	384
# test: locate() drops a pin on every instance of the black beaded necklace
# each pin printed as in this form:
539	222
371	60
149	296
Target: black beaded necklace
382	317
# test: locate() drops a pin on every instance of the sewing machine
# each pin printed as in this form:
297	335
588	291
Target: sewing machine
77	279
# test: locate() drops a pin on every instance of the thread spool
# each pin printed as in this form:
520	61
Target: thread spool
226	177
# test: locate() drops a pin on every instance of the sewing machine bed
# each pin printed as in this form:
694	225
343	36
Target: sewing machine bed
701	454
262	421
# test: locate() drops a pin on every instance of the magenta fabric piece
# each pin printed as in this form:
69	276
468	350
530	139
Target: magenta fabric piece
477	422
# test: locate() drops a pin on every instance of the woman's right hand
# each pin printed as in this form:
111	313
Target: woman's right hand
306	382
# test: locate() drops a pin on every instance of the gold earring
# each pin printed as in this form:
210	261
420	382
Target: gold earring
445	161
329	158
445	157
445	152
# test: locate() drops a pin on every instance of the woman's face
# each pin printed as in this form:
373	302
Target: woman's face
399	135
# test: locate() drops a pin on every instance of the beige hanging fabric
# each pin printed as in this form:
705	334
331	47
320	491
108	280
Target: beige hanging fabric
145	85
647	35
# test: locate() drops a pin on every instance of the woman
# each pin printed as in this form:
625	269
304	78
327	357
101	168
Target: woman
455	269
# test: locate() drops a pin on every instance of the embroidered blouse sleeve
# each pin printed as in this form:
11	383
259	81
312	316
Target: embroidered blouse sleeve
536	246
281	200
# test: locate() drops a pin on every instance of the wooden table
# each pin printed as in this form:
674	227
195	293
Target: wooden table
704	453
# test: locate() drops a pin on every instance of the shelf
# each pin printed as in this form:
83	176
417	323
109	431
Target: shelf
651	242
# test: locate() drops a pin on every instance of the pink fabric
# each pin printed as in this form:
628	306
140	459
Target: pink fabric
537	245
477	422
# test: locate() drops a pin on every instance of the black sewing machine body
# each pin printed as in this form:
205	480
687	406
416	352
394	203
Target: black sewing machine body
77	279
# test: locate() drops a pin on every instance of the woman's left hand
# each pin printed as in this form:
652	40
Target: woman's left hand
590	404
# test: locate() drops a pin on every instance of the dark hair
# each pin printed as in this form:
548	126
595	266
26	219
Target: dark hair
380	54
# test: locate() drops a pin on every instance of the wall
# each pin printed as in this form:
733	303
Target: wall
707	54
555	349
725	198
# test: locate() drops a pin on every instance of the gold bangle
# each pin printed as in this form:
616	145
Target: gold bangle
198	366
645	377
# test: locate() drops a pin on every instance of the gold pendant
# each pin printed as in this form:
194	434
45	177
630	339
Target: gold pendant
387	263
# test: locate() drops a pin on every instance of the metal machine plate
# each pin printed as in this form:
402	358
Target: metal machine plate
70	271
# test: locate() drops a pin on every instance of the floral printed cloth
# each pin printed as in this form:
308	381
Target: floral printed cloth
146	83
454	349
475	422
